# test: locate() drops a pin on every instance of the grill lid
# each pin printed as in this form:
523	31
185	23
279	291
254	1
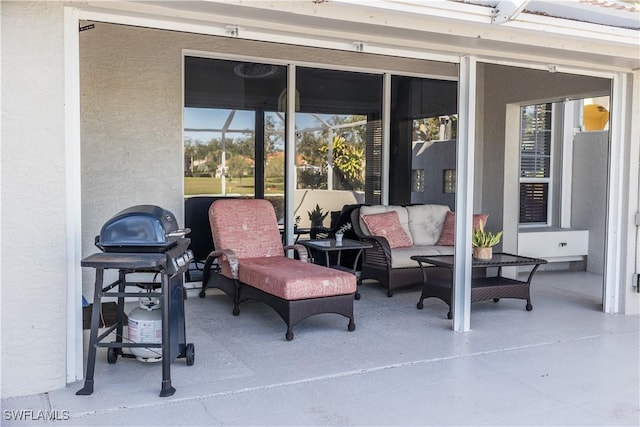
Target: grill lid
141	228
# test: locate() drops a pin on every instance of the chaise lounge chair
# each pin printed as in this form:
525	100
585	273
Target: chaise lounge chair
254	266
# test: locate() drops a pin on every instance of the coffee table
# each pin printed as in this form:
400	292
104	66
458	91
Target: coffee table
327	246
482	288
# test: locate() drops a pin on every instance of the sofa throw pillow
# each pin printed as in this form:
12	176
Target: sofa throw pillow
447	237
388	226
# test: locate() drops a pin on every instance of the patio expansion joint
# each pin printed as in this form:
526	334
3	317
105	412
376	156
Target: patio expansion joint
337	375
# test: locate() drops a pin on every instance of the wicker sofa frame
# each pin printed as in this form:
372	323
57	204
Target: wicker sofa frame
376	263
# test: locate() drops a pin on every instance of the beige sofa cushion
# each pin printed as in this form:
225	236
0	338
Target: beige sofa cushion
425	223
401	257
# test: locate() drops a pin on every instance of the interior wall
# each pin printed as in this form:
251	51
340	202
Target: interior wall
589	192
517	86
433	161
34	214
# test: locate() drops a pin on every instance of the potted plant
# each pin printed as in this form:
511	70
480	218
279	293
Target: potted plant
483	242
340	232
316	216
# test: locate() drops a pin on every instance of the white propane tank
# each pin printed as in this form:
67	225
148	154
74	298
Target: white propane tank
145	326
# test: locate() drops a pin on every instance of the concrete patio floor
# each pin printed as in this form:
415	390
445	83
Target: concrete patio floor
564	363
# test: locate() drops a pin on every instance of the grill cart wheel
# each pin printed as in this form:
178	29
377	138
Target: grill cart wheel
190	354
112	355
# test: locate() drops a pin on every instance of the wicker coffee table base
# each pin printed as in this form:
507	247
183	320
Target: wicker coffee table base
482	289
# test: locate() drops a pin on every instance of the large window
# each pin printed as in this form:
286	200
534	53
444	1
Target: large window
423	140
234	129
535	164
234	135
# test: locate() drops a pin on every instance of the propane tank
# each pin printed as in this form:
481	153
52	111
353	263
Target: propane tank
145	326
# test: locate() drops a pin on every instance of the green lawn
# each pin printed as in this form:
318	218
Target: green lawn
196	185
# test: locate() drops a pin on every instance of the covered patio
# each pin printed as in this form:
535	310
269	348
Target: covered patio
93	107
564	363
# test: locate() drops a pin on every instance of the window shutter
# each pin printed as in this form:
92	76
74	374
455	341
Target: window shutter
373	159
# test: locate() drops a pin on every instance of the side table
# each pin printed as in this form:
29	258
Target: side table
327	246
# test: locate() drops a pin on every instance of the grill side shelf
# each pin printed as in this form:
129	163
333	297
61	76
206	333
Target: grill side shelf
125	260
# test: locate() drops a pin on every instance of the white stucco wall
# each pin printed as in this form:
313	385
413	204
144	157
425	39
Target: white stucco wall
131	128
589	195
34	283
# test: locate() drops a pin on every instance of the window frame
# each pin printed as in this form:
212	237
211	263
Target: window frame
550	180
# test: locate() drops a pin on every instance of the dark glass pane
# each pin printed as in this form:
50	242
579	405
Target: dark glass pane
338	140
233	136
533	203
423	132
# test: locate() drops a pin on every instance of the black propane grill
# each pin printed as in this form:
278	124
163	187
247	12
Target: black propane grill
147	229
141	239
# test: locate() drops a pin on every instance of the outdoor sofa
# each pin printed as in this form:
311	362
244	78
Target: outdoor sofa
399	232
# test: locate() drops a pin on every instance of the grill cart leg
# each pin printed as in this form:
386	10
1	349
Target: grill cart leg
167	389
93	336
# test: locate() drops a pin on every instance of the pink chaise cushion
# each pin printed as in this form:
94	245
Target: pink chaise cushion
293	280
247	226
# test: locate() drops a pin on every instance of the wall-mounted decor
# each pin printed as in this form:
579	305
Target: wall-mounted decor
449	181
417	180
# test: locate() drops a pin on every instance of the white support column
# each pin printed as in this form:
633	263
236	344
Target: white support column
386	138
614	264
464	194
632	295
290	154
73	188
568	132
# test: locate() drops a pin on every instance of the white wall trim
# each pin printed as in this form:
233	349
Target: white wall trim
386	139
465	162
218	26
634	173
290	155
614	256
551	67
73	195
632	249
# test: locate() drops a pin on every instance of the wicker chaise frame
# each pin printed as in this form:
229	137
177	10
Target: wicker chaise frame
291	311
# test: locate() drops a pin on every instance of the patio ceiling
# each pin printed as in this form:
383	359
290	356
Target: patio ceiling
574	33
